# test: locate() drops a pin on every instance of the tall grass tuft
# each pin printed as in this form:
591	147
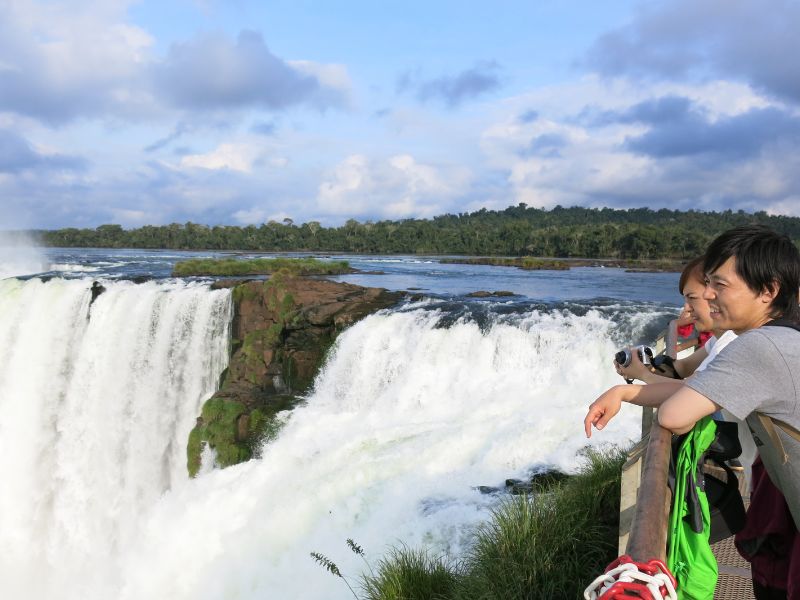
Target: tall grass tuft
410	574
549	545
331	567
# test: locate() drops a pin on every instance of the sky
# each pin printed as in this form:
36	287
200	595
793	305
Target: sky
240	112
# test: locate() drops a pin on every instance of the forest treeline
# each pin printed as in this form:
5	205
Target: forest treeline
520	230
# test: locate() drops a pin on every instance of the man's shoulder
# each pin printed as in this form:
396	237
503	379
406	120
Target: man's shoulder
778	336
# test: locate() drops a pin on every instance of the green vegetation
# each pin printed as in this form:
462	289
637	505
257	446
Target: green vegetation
530	263
638	233
234	434
407	573
526	262
549	545
220	423
232	267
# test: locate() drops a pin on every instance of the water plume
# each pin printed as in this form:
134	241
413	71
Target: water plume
19	255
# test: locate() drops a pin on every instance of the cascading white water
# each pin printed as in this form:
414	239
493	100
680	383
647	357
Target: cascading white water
407	418
96	403
405	421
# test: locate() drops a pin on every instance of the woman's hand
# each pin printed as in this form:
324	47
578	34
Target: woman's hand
634	370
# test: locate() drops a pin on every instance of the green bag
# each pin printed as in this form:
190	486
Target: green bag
689	554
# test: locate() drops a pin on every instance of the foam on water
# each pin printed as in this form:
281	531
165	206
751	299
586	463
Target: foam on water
72	268
410	414
405	422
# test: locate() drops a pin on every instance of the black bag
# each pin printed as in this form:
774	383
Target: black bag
724	502
726	444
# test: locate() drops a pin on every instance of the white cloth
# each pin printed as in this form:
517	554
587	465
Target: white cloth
714	346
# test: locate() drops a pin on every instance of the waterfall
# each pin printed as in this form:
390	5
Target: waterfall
97	402
410	414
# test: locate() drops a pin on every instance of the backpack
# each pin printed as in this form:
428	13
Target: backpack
770	423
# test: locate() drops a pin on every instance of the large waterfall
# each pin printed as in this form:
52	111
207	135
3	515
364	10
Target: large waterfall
96	403
412	412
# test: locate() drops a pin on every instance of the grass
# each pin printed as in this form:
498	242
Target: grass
411	574
233	267
547	545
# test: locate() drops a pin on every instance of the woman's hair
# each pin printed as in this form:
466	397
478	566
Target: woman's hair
765	259
692	270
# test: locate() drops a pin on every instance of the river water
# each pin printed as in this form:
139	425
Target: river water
415	408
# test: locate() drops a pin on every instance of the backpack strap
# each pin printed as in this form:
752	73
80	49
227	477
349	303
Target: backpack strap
769	424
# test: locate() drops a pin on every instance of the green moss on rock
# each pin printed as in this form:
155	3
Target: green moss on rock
218	428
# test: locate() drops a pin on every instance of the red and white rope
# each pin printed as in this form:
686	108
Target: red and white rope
625	579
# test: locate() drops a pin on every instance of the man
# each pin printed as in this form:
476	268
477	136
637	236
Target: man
753	277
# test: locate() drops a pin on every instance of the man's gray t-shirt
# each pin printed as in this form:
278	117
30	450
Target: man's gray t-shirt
760	371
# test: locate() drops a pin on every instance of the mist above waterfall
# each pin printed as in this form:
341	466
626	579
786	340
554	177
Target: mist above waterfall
19	255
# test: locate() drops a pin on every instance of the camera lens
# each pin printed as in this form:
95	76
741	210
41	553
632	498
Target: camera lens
623	358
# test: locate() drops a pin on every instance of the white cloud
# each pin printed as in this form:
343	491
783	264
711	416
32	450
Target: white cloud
233	157
132	217
592	165
252	215
60	61
395	188
333	75
65	60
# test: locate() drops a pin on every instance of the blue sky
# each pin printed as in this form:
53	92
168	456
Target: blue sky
242	111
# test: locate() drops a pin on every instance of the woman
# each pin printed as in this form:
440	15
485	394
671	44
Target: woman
691	286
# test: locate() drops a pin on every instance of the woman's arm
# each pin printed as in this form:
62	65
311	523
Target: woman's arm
686	366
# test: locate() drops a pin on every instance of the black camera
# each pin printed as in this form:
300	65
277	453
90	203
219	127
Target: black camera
623	357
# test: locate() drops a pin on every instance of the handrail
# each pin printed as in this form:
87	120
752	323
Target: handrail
648	535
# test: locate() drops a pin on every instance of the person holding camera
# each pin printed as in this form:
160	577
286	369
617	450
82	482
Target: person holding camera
631	364
752	283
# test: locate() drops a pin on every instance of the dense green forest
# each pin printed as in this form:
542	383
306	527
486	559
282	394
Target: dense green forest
516	231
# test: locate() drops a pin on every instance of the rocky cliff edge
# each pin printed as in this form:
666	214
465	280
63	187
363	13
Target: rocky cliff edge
282	329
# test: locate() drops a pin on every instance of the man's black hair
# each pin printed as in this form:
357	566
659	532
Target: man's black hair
763	258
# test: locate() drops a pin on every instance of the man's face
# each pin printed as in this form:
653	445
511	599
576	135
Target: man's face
734	305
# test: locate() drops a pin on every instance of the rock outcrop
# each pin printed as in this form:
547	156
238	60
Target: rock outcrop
282	329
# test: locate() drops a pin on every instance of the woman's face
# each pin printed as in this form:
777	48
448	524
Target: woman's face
696	306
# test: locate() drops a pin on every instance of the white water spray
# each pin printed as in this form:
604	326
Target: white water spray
97	403
406	420
19	255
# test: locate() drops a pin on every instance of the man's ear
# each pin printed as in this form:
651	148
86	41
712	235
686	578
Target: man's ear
770	292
